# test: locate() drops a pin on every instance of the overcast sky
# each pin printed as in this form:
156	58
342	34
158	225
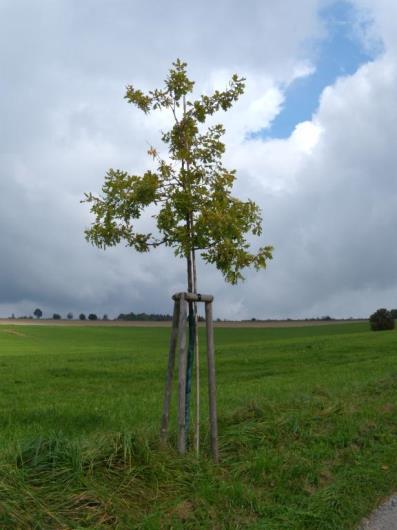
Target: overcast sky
312	140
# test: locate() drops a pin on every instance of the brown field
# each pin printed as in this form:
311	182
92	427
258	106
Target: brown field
156	324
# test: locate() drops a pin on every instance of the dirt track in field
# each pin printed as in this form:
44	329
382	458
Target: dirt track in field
152	324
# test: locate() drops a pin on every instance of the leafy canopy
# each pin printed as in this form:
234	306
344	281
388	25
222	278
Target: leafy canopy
192	188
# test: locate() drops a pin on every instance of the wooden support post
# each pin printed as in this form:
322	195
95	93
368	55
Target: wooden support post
211	382
170	374
178	335
182	375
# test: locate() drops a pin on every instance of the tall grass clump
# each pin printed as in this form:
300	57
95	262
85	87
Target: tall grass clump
309	462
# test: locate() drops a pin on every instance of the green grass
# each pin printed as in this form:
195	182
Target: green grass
307	420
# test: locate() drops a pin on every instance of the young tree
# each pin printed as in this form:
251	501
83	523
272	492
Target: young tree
196	211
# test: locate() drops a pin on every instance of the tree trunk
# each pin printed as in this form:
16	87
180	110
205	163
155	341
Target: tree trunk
192	338
197	357
193	328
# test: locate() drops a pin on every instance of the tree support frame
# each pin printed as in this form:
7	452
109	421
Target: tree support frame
178	338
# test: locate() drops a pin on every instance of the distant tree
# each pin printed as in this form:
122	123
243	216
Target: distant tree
38	313
69	316
394	313
105	317
82	316
144	317
92	316
56	316
381	320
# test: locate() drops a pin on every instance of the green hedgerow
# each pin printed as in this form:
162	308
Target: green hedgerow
381	320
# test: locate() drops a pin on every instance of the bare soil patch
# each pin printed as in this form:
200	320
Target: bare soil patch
13	332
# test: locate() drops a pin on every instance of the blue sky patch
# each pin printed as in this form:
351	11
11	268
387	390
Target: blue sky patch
341	53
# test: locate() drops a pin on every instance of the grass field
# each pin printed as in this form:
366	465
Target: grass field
307	419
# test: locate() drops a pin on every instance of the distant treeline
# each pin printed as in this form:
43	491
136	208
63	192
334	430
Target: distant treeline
144	317
158	317
149	317
324	318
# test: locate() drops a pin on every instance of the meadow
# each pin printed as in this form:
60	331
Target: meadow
307	421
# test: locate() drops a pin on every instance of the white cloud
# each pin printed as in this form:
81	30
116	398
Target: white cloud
328	192
306	136
332	218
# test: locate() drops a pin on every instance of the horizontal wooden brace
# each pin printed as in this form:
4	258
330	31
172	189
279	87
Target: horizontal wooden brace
193	297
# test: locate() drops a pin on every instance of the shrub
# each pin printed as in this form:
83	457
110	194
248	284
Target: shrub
381	320
56	316
82	316
92	316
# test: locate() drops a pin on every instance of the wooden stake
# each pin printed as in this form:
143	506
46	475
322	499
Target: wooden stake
182	376
211	382
170	375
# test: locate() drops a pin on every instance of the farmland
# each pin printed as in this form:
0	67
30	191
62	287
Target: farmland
307	421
